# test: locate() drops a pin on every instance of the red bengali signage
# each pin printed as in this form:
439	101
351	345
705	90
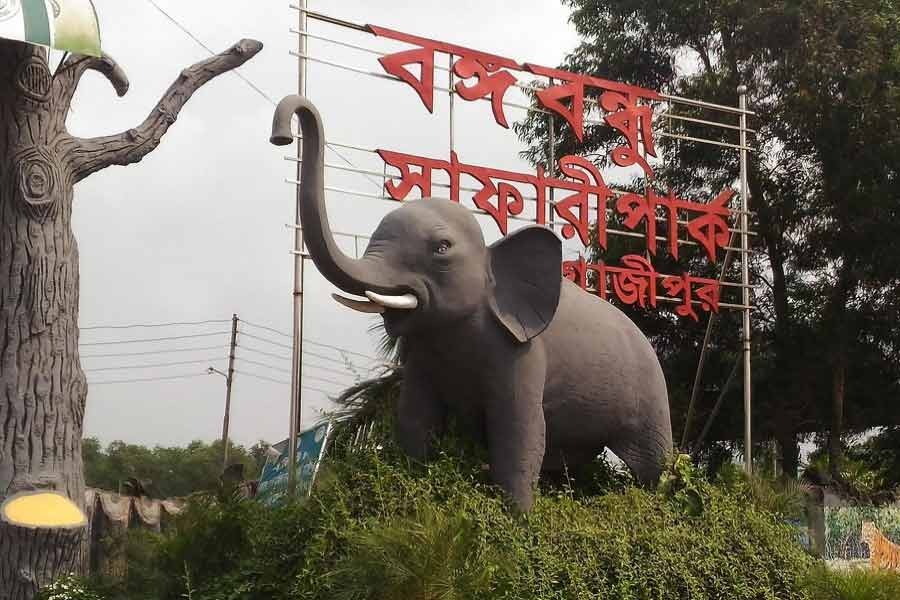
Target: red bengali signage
626	109
564	97
499	199
635	282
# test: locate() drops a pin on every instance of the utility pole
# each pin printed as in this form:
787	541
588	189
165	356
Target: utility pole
297	357
745	280
229	378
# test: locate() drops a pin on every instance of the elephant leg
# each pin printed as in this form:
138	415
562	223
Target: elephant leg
644	458
516	431
420	413
563	468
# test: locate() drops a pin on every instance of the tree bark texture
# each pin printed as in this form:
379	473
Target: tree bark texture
33	557
838	388
836	316
42	386
789	454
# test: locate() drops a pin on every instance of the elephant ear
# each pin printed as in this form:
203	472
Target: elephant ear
526	267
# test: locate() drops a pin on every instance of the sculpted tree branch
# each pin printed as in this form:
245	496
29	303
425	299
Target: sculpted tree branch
92	155
68	76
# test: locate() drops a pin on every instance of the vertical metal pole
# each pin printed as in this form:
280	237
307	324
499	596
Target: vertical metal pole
297	357
698	376
745	279
452	94
228	380
551	163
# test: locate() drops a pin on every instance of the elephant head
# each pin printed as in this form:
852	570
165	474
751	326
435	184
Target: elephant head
427	265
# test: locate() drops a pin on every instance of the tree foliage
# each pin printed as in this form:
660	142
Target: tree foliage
168	471
378	526
824	82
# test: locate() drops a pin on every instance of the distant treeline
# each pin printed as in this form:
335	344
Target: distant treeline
165	472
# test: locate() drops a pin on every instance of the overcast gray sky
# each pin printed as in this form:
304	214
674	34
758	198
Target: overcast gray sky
196	231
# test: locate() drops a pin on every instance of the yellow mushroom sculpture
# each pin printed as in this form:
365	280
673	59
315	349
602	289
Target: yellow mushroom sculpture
42	510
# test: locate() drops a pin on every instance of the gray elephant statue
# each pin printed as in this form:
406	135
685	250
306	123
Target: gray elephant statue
543	373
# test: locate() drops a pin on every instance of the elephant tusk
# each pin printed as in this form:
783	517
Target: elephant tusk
360	305
404	302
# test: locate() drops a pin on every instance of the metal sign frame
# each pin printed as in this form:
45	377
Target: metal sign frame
492	78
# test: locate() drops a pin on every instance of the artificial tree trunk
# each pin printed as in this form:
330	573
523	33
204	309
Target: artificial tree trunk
837	317
42	385
838	389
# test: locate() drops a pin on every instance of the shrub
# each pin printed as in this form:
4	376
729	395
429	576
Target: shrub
433	555
68	588
784	496
853	584
381	527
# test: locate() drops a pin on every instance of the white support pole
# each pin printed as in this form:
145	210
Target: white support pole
297	355
745	280
452	104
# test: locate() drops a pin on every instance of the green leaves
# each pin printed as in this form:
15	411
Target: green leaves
680	485
379	527
169	471
853	584
433	555
824	80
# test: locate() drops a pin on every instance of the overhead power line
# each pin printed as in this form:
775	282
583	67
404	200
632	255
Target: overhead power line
252	85
273	380
339	349
151	352
345	372
251	324
340	383
154	366
146	379
163	339
287	335
324	357
308	341
176	377
266	340
187	32
305	353
314	389
149	325
262	364
269	354
248	374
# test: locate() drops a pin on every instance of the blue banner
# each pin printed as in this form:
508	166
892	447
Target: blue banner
274	479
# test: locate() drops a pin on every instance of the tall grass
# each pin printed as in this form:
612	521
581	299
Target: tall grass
853	584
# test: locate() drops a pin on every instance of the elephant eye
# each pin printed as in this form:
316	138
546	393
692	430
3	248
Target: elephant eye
442	247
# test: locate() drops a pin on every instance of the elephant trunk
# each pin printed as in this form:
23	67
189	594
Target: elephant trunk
355	276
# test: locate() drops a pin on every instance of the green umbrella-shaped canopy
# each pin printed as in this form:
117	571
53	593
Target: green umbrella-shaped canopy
62	24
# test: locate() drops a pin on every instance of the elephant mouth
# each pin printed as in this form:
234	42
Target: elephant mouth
397	311
381	304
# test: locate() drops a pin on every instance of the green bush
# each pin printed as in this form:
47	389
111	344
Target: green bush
433	555
144	577
853	584
630	544
784	496
68	588
381	527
